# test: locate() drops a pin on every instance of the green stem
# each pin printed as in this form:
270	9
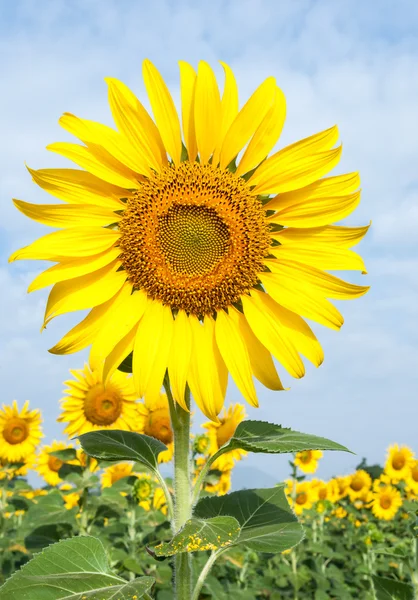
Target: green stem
205	572
202	475
167	494
295	574
182	494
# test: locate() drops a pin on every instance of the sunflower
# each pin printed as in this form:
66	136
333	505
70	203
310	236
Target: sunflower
154	420
199	264
304	497
113	473
386	503
201	444
358	483
71	500
412	478
18	468
325	490
219	433
398	461
20	432
92	404
47	465
307	460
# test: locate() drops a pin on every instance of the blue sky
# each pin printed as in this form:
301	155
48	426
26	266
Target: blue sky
343	62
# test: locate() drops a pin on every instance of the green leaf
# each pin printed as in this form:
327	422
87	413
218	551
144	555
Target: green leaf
389	589
74	569
260	436
126	365
201	534
49	510
65	455
115	445
266	519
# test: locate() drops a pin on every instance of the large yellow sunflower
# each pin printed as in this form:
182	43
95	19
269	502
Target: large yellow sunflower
386	503
196	262
92	404
47	465
399	459
20	432
307	460
359	483
221	432
154	420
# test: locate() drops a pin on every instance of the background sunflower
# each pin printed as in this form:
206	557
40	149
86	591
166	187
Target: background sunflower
20	432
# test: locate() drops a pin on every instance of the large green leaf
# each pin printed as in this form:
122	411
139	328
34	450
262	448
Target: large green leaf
74	569
266	520
201	534
260	436
116	445
389	589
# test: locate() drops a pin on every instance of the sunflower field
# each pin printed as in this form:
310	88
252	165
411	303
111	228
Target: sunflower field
360	529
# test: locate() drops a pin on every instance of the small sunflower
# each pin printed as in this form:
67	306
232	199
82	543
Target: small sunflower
412	478
398	461
198	252
340	513
386	503
359	483
48	465
219	433
304	497
325	490
201	444
143	489
20	432
154	420
92	404
116	472
307	460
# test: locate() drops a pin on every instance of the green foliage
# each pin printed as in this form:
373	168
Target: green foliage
389	589
115	445
199	535
49	510
261	436
266	520
75	569
65	455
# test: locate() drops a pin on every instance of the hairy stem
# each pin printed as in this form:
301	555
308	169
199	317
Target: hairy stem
205	572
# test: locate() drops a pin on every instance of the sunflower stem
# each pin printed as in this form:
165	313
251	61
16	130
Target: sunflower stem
182	494
202	475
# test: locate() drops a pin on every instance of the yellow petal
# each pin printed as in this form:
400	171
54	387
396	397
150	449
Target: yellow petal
73	267
120	321
247	121
179	359
164	110
188	88
336	235
302	336
152	349
261	313
261	361
234	352
83	333
208	374
297	165
229	108
122	349
338	185
79	187
266	135
73	242
317	212
301	299
98	162
84	292
135	123
64	215
207	112
321	256
102	136
324	283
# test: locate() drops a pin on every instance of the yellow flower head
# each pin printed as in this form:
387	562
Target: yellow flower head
201	444
399	459
153	419
325	490
340	513
143	487
386	503
304	497
91	403
219	433
48	465
113	473
412	477
307	460
20	432
165	233
71	500
359	483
